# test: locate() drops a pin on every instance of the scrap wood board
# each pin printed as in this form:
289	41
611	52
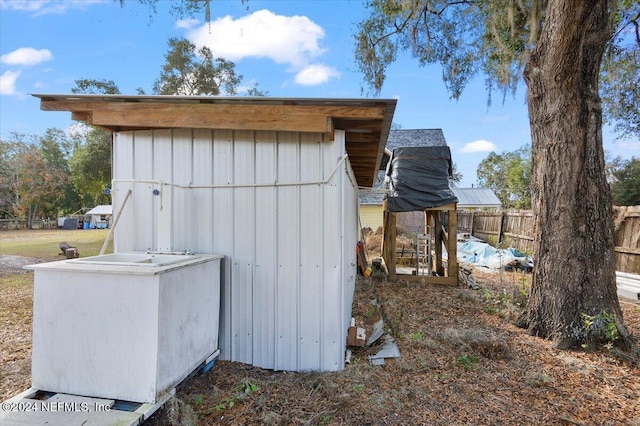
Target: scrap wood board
35	407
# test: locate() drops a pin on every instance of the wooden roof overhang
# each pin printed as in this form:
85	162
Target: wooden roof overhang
366	122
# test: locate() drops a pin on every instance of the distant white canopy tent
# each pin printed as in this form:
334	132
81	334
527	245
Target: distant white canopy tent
99	216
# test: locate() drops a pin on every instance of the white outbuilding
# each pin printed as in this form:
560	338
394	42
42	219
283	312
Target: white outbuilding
271	184
100	216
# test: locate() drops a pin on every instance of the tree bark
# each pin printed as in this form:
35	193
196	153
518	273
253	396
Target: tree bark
573	295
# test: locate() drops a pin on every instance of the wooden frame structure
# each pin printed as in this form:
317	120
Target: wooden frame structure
366	122
435	217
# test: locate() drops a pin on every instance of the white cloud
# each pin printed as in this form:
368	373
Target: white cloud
480	145
8	82
287	40
315	74
78	129
186	23
26	56
44	7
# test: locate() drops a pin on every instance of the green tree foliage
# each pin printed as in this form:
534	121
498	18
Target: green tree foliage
558	46
620	77
494	39
57	147
463	37
625	188
180	8
188	71
95	87
509	176
90	163
33	177
455	177
9	177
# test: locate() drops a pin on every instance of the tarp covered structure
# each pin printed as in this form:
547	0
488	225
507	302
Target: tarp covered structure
479	253
418	178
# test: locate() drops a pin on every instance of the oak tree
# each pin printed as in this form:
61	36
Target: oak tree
558	46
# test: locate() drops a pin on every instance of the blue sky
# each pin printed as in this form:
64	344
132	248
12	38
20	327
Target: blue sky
290	48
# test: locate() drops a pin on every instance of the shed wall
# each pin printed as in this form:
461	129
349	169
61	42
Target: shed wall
289	270
371	216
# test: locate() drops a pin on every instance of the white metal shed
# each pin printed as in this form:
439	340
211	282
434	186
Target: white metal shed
270	183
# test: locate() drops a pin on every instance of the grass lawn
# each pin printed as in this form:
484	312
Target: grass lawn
44	243
462	360
16	293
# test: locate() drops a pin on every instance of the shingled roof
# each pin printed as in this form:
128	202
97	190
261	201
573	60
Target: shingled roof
415	138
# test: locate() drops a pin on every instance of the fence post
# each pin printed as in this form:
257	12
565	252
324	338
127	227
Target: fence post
389	231
501	226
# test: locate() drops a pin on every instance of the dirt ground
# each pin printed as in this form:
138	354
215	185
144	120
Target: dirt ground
462	362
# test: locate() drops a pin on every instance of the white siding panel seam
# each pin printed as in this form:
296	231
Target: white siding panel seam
323	273
298	341
278	206
276	284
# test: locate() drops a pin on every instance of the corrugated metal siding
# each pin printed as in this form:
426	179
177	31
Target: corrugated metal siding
290	250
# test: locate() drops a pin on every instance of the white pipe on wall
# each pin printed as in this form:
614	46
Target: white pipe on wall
247	185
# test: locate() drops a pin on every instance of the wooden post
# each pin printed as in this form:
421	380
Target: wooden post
427	232
429	222
472	219
500	227
452	245
389	233
438	242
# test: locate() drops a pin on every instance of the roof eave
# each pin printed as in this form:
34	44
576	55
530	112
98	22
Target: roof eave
366	121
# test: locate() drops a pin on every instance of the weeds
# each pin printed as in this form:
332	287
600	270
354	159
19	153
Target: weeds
603	324
441	377
228	403
418	335
467	361
504	304
245	390
371	312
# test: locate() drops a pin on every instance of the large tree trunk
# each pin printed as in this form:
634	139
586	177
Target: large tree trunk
573	295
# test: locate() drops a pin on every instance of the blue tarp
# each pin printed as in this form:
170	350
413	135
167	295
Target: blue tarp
479	253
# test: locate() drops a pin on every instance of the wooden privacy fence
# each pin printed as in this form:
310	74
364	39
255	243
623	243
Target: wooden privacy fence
626	226
514	228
